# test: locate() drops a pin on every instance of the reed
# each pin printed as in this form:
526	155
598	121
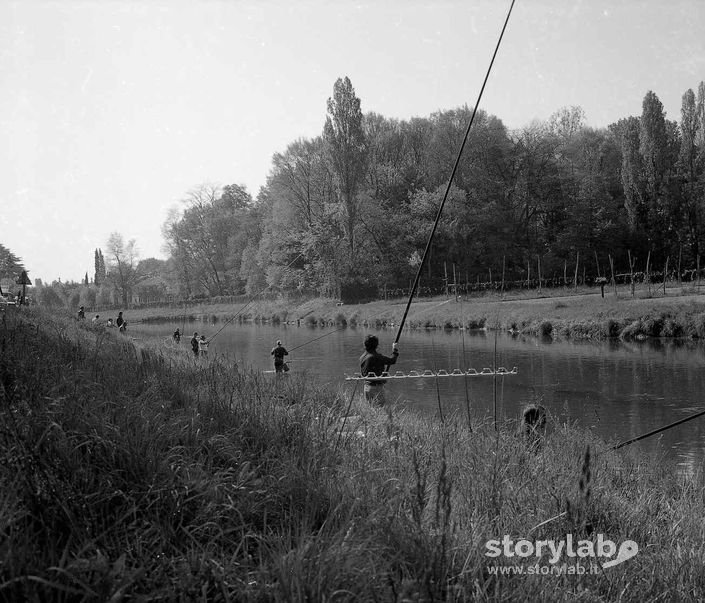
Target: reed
132	472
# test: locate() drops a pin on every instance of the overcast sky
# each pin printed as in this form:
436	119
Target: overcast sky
111	111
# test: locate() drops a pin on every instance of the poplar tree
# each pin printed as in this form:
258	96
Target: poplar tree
347	149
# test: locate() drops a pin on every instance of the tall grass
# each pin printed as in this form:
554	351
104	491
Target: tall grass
135	473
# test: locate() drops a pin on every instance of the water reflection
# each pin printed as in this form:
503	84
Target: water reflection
619	389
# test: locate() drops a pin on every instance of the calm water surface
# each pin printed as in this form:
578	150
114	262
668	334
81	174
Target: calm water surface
618	389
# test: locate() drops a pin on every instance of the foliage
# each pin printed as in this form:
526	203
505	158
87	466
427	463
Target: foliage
201	482
555	200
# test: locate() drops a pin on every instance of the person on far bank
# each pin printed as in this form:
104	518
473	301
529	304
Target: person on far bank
194	344
81	313
95	320
177	336
372	362
279	352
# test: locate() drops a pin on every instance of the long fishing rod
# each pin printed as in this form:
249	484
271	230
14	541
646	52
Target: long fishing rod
626	443
659	430
450	180
251	300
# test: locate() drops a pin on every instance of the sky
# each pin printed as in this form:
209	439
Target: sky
111	111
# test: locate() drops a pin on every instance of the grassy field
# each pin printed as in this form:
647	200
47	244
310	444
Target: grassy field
559	313
131	474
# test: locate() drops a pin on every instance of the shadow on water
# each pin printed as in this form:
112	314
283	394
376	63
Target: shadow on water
618	389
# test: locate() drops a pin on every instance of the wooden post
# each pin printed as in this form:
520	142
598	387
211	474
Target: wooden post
665	275
575	279
631	271
539	263
697	268
680	255
455	284
445	277
614	283
528	274
646	275
565	273
503	259
597	263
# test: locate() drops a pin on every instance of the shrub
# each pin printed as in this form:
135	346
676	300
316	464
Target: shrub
634	330
672	328
545	328
612	328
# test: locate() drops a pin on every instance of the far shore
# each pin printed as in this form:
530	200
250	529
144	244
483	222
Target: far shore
559	313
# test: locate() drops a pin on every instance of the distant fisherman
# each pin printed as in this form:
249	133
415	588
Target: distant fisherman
177	336
279	352
203	346
372	362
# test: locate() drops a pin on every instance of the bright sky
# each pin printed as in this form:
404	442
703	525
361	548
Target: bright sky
111	111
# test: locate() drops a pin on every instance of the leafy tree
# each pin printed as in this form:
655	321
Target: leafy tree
122	262
347	149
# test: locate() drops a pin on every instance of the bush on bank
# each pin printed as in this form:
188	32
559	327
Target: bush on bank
137	472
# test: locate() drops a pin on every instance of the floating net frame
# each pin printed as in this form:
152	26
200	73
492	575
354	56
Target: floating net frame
471	372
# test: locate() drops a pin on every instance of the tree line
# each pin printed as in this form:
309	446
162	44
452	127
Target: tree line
353	207
350	210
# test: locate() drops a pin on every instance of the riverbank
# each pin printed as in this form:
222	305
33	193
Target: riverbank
129	472
564	314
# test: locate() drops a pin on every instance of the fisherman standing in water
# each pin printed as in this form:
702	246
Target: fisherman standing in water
194	344
279	352
372	362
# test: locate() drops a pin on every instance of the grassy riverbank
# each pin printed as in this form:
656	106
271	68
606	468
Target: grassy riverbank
565	314
128	473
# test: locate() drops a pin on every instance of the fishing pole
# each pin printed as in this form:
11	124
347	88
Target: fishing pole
659	430
452	175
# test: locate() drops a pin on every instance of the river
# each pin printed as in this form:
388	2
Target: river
617	389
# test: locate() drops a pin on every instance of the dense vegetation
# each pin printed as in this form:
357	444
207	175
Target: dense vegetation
355	205
350	211
136	473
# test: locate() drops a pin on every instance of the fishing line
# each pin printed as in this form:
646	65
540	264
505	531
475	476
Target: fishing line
251	300
452	175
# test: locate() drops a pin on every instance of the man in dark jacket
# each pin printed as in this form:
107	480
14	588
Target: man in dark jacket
279	352
372	362
194	344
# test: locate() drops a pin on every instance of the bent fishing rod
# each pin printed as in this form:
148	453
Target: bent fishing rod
452	176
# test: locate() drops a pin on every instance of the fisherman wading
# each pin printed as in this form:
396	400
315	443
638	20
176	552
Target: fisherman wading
374	363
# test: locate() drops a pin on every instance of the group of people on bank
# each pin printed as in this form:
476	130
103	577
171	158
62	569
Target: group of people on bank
119	323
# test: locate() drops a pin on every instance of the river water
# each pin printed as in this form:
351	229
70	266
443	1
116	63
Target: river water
617	389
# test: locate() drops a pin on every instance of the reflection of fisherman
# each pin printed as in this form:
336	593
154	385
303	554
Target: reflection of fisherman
374	362
177	336
279	352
